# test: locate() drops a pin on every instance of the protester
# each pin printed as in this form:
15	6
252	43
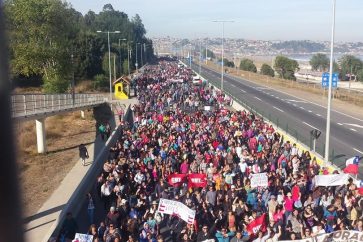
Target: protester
83	153
178	150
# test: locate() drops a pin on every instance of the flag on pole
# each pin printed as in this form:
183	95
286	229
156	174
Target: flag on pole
257	225
352	160
352	165
351	169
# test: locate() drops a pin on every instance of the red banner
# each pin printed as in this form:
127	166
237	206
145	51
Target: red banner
257	225
176	180
197	180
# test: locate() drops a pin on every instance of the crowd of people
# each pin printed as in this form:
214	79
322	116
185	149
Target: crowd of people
173	134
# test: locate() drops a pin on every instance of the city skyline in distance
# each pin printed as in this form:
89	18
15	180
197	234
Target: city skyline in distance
259	19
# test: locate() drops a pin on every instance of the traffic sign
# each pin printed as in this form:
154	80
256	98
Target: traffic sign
325	79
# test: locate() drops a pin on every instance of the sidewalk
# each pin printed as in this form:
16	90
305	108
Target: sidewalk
43	223
44	220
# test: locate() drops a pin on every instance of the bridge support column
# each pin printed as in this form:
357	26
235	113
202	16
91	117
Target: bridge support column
82	114
40	128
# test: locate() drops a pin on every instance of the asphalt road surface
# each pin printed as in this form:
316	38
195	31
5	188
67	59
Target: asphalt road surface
300	116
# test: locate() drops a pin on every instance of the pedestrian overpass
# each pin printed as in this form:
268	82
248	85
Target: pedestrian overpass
38	107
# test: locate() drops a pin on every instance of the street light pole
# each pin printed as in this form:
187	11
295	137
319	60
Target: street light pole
200	57
327	134
128	58
222	72
109	57
136	64
142	62
109	63
73	84
119	46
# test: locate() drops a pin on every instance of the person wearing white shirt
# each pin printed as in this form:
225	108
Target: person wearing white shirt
139	177
243	166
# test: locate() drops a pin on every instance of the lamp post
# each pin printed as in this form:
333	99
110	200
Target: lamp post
327	133
73	84
119	46
136	64
109	56
128	56
222	21
142	61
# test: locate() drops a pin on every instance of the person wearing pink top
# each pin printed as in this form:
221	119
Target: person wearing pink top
288	204
184	167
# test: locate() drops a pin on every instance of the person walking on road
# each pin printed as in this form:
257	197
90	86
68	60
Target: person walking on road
83	153
102	130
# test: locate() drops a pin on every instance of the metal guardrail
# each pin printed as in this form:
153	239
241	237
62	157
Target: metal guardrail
32	104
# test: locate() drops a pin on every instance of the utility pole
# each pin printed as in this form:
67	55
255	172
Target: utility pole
73	83
327	134
109	57
222	72
128	58
200	57
114	66
141	50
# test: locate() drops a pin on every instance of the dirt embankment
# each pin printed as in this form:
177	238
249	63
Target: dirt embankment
41	174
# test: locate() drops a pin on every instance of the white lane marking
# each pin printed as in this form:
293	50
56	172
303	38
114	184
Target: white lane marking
318	114
354	125
311	126
261	87
340	124
353	129
233	85
258	98
272	95
242	80
310	111
277	97
278	109
358	150
242	90
347	115
295	101
295	105
302	108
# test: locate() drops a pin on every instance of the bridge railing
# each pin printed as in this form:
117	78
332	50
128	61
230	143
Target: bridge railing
30	104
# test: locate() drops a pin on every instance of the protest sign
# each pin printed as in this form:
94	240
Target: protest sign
83	238
171	207
337	236
176	180
197	180
259	180
331	180
257	225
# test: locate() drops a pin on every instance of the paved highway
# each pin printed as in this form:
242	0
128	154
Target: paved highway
299	115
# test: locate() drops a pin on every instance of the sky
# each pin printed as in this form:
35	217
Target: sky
252	19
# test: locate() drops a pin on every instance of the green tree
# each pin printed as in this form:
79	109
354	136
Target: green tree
360	75
247	65
125	66
267	70
46	33
349	64
319	62
210	53
228	63
40	31
286	67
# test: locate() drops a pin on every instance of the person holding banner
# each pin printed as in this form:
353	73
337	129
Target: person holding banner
222	168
